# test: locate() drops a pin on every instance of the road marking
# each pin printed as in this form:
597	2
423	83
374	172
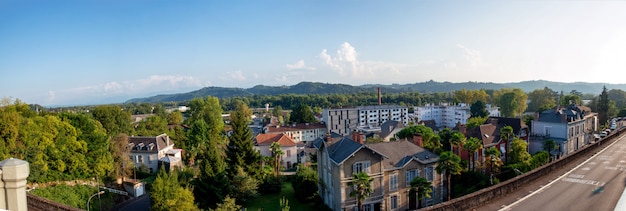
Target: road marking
592	163
510	206
586	169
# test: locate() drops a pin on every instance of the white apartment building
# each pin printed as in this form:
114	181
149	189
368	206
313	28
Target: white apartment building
343	120
447	115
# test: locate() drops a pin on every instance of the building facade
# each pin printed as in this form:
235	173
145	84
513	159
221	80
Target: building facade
390	165
570	127
263	142
448	115
300	133
154	151
343	120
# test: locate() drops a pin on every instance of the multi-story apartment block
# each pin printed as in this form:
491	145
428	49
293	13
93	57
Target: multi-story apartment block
570	127
446	115
391	165
343	120
300	133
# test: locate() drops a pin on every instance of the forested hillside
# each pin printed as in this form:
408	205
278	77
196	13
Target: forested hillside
421	87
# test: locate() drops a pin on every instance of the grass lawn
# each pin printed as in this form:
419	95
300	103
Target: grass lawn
272	201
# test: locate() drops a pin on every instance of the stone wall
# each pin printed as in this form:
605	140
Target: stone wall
485	195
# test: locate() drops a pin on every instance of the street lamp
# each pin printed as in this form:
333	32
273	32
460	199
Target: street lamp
95	194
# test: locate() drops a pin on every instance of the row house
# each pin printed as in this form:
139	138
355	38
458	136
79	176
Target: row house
391	165
571	127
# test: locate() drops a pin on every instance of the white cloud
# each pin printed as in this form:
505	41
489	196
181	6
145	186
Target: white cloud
234	76
473	57
299	65
51	96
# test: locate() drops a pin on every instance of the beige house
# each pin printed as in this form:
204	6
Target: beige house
262	143
391	165
154	151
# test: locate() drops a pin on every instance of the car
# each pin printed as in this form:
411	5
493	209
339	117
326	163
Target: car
603	134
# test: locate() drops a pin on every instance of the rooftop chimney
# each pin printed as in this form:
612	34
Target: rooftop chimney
417	140
329	140
380	100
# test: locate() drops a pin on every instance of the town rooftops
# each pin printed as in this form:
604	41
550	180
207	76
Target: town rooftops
564	114
401	152
268	139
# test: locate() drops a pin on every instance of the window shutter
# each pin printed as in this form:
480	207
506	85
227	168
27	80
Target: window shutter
367	167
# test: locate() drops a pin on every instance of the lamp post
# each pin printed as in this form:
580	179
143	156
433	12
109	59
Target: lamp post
95	194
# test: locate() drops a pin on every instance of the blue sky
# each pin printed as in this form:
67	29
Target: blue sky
93	52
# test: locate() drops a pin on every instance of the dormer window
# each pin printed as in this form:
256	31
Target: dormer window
150	146
139	146
130	145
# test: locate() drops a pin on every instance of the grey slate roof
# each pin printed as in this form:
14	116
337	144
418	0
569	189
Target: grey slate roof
399	153
342	150
564	114
388	127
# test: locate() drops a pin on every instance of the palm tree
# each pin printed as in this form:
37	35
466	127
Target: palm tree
362	184
472	146
457	140
506	134
450	164
421	187
278	153
493	161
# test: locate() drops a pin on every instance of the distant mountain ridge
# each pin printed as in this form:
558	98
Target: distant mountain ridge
423	87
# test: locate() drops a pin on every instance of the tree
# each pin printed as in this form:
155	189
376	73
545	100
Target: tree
241	152
457	140
278	153
492	159
98	156
175	118
549	145
302	114
120	152
512	101
479	109
444	136
305	181
151	126
421	187
475	122
508	105
212	184
603	106
519	154
506	133
244	186
449	163
472	145
362	184
431	141
229	204
167	194
541	99
571	99
113	119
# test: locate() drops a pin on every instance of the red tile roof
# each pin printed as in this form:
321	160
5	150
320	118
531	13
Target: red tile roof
267	139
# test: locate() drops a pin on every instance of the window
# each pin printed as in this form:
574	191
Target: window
140	159
410	175
361	166
288	153
393	182
428	173
393	200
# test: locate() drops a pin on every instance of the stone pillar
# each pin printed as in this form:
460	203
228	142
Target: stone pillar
14	174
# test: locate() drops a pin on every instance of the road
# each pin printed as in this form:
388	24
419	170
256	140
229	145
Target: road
597	183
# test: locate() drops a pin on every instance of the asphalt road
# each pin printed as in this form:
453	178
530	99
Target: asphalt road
595	183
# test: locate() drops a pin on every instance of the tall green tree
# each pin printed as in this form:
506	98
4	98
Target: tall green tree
430	140
362	188
542	99
151	126
512	102
241	152
212	184
113	118
167	194
479	109
472	145
98	157
493	161
305	181
457	140
302	113
229	204
603	106
278	153
244	186
120	153
519	152
450	164
506	134
422	188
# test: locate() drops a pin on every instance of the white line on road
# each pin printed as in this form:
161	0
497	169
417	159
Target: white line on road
508	207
